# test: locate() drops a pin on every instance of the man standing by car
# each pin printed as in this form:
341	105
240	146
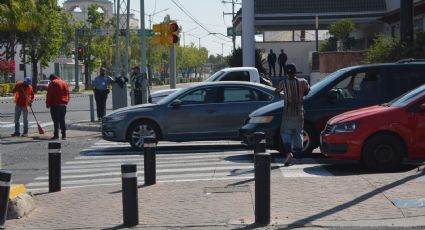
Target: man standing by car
57	99
24	95
139	86
293	114
100	89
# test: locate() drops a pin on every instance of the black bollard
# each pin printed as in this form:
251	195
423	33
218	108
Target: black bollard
262	188
5	177
130	201
149	151
259	142
54	166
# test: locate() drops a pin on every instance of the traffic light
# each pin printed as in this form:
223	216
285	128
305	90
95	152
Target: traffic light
173	30
80	53
166	33
159	33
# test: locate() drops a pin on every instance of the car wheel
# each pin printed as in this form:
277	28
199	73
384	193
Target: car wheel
383	152
278	144
139	130
309	139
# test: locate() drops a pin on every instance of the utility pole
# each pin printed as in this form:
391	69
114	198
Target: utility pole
406	21
233	16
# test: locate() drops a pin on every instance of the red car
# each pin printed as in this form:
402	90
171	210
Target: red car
379	136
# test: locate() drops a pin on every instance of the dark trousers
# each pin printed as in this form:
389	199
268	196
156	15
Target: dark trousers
282	66
272	67
58	116
100	96
138	97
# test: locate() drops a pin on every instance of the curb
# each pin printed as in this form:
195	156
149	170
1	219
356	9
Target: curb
85	126
21	202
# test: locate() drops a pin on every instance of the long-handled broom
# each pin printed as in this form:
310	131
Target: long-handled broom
40	129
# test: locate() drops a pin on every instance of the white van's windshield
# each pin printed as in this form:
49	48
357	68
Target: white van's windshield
215	76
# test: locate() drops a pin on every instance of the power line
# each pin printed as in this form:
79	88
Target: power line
188	14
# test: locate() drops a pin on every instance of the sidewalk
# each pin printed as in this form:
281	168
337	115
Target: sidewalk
310	202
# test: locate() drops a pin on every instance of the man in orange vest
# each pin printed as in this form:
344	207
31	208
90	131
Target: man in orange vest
24	96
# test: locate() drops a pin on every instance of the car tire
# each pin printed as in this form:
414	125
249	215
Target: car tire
310	138
383	152
140	129
278	144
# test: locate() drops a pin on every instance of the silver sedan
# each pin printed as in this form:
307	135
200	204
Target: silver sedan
207	111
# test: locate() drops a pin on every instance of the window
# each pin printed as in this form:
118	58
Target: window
403	79
244	94
237	76
199	96
361	85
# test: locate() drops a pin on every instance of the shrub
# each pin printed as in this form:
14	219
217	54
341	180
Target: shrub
4	88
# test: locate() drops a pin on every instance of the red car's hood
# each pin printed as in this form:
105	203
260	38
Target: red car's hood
360	113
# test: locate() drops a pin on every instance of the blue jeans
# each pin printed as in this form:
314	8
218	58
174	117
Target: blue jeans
18	111
292	141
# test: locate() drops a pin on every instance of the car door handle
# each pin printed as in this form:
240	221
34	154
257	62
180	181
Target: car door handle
210	111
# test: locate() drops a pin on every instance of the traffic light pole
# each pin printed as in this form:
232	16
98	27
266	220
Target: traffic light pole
77	87
173	66
143	63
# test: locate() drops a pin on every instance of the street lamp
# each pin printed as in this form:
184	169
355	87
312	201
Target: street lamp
151	15
184	40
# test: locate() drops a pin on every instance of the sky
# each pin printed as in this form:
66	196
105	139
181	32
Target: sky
208	15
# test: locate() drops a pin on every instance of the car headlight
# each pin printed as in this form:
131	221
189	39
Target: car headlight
262	119
346	127
116	117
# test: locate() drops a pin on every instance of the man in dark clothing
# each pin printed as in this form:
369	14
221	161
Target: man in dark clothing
57	99
271	59
139	83
293	113
282	62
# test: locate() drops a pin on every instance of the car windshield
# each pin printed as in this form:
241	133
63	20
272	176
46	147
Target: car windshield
168	98
214	76
327	80
408	97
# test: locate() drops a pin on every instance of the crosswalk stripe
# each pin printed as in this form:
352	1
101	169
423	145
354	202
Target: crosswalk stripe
44	124
104	169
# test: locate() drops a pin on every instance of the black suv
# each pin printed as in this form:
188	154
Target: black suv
346	89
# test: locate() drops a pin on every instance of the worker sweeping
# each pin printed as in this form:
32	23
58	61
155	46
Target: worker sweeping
24	96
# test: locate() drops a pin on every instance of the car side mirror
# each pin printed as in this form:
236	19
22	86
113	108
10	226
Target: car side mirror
176	103
332	96
422	107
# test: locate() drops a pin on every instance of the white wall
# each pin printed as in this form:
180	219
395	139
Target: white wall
298	53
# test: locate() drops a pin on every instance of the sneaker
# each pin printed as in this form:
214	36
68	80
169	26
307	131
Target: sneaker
15	134
54	138
24	135
288	159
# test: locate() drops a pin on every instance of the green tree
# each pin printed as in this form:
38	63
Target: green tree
45	40
235	59
217	62
16	18
340	31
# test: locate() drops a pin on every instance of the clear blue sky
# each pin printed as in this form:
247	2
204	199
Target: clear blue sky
209	13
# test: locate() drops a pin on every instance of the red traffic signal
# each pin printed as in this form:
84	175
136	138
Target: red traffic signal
173	36
80	53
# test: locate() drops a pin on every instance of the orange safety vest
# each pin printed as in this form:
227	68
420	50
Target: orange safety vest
23	94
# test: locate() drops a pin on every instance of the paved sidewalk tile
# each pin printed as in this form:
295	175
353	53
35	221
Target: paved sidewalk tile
297	202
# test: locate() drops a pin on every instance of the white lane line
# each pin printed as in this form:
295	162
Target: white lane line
43	124
180	170
159	177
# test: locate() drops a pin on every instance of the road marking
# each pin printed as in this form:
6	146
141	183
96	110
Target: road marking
308	168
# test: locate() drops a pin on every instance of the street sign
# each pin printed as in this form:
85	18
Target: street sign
239	33
104	32
148	32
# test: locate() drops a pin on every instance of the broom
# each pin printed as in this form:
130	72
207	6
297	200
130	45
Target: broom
40	129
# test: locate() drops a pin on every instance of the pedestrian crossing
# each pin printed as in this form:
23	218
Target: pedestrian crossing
31	124
98	165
